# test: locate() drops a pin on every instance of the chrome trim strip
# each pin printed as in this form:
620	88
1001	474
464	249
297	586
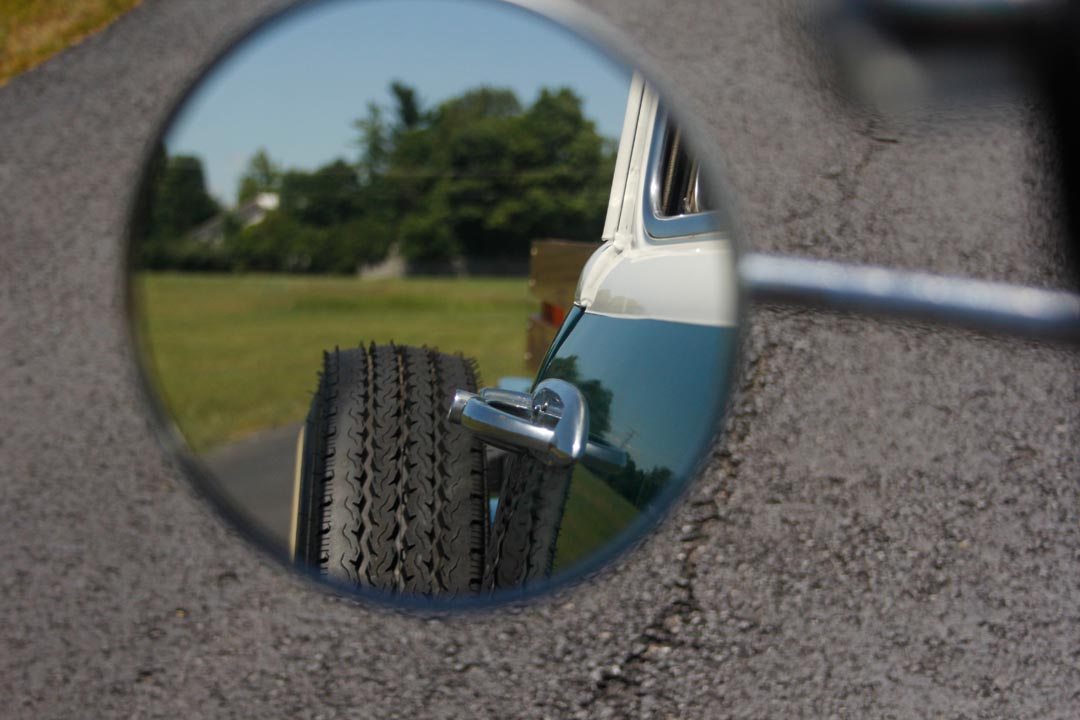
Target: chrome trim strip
658	227
973	304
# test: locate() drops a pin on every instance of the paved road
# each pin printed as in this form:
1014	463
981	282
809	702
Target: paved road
890	529
257	475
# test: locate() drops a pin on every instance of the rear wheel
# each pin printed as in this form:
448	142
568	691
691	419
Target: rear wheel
521	549
391	494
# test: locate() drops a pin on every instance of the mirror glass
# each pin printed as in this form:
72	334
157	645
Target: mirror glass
435	300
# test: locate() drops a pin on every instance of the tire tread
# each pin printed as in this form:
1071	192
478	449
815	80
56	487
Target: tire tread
398	492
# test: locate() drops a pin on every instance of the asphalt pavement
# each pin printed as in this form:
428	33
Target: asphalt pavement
890	528
256	474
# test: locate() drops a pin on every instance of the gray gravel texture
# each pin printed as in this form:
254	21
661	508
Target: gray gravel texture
889	530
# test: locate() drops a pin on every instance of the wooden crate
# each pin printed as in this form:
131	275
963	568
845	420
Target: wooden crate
554	268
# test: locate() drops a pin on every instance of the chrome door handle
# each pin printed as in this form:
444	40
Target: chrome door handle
552	423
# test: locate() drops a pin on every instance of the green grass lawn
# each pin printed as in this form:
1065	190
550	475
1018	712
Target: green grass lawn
32	31
234	354
594	514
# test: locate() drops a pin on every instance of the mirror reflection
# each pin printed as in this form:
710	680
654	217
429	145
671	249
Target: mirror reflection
436	293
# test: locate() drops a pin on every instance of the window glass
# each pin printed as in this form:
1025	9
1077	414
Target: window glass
680	188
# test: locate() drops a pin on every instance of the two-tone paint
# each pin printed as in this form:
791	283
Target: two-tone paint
651	342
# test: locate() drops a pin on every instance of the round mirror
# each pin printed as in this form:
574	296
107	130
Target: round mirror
436	300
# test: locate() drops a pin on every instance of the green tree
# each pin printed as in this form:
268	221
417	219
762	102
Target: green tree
262	175
478	175
409	112
324	224
482	176
596	395
329	196
280	243
181	200
175	202
374	142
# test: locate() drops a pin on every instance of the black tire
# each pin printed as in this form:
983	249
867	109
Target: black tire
392	495
521	549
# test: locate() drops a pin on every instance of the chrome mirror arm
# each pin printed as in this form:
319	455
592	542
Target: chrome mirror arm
960	302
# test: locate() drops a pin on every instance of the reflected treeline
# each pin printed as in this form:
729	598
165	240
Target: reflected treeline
477	176
596	395
634	484
640	486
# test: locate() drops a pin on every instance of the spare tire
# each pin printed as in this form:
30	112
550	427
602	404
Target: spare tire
391	494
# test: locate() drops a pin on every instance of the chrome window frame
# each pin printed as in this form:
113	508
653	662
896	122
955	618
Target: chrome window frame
661	227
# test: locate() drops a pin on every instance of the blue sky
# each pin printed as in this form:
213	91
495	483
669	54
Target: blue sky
296	88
